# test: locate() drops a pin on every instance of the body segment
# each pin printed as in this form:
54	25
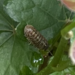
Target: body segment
35	37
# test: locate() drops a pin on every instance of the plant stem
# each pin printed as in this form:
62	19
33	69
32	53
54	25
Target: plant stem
59	52
63	65
67	28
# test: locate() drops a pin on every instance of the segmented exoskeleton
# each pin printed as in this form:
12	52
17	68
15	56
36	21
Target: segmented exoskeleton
35	37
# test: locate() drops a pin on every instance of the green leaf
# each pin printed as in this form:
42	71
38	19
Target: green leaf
47	16
15	51
26	71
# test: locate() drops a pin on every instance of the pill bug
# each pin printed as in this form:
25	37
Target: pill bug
35	37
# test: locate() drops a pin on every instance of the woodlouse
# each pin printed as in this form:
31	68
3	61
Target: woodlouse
35	37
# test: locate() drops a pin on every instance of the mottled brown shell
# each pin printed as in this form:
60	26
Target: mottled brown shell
35	37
